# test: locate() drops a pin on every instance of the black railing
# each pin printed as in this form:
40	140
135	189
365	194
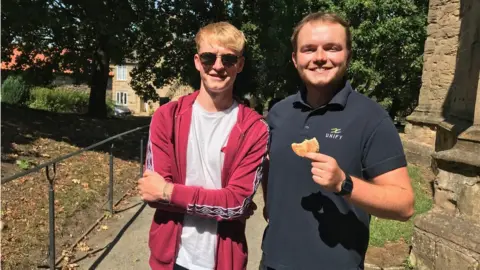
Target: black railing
51	173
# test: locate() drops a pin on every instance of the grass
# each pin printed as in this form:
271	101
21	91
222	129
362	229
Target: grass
383	231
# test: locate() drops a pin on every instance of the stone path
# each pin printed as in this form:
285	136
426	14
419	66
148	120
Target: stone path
126	239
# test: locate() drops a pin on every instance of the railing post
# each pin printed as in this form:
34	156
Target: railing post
141	157
51	215
110	188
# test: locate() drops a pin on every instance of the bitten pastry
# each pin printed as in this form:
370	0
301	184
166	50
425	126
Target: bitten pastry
307	146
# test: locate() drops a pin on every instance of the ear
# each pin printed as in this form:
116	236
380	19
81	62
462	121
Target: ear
240	64
294	59
198	64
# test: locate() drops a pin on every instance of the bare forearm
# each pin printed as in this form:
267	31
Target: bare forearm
383	201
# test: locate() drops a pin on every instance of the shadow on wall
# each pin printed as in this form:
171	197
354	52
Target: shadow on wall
459	105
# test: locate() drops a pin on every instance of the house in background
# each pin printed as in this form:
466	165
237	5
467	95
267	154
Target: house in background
124	95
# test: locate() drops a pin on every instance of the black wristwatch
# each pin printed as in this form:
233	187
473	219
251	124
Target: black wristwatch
347	186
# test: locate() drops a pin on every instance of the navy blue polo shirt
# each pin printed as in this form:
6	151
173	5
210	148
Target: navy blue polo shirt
311	228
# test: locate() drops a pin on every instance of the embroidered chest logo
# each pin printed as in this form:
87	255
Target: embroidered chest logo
335	133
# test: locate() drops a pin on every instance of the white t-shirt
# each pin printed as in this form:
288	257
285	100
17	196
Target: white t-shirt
209	132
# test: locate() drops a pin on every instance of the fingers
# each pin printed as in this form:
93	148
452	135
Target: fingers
326	172
325	182
318	157
148	172
322	166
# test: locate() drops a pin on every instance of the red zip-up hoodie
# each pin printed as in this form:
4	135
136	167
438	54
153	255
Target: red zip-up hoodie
245	154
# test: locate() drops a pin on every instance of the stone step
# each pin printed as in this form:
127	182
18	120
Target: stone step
443	241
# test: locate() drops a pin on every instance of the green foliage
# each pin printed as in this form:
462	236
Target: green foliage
83	37
15	90
110	106
63	100
23	164
382	230
388	40
59	100
86	36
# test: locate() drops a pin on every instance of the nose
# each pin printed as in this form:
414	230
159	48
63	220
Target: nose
320	55
218	64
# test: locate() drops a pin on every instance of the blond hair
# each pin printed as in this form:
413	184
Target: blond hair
222	33
322	17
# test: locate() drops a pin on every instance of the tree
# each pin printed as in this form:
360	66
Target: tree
83	36
388	40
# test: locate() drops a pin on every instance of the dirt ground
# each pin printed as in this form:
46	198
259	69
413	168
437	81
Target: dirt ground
32	137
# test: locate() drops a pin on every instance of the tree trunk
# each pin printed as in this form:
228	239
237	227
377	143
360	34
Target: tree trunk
97	106
396	103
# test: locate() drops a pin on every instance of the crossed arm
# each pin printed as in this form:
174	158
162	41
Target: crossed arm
231	202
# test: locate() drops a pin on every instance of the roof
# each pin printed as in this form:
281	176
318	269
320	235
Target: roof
37	58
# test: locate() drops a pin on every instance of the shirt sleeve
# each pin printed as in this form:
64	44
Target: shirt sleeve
383	151
159	156
232	201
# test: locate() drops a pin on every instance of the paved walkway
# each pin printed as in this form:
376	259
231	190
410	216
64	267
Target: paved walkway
126	239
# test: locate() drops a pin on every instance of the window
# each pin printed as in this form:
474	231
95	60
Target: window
121	98
121	73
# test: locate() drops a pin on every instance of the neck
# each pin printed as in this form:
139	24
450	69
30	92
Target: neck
319	96
214	102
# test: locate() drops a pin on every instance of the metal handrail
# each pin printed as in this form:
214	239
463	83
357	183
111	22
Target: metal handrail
51	177
52	162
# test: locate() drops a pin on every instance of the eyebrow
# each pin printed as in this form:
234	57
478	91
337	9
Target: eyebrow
330	44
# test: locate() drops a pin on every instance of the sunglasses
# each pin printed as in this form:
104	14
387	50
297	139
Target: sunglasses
228	60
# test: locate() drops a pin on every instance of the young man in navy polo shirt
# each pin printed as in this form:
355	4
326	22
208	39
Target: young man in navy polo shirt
319	206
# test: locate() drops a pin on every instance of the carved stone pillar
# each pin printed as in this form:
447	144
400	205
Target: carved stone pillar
448	237
438	73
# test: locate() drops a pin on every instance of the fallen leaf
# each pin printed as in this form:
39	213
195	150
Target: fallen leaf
82	246
73	266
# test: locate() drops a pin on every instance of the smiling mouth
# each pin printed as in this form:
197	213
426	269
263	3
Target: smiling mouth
320	70
217	77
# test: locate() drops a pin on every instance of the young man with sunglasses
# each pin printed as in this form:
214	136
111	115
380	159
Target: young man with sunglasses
319	205
204	162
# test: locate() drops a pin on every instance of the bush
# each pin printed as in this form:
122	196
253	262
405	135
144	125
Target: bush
110	106
15	90
63	100
59	100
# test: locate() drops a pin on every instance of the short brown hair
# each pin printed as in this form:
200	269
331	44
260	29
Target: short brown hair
222	33
322	17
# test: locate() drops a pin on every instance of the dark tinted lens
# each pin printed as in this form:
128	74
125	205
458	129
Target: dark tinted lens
229	60
208	58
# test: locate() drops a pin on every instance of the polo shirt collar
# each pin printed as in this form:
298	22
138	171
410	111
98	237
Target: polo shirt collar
339	99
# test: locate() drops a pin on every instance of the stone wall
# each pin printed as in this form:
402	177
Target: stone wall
439	62
447	125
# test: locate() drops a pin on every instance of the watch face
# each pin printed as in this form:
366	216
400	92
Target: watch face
348	185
